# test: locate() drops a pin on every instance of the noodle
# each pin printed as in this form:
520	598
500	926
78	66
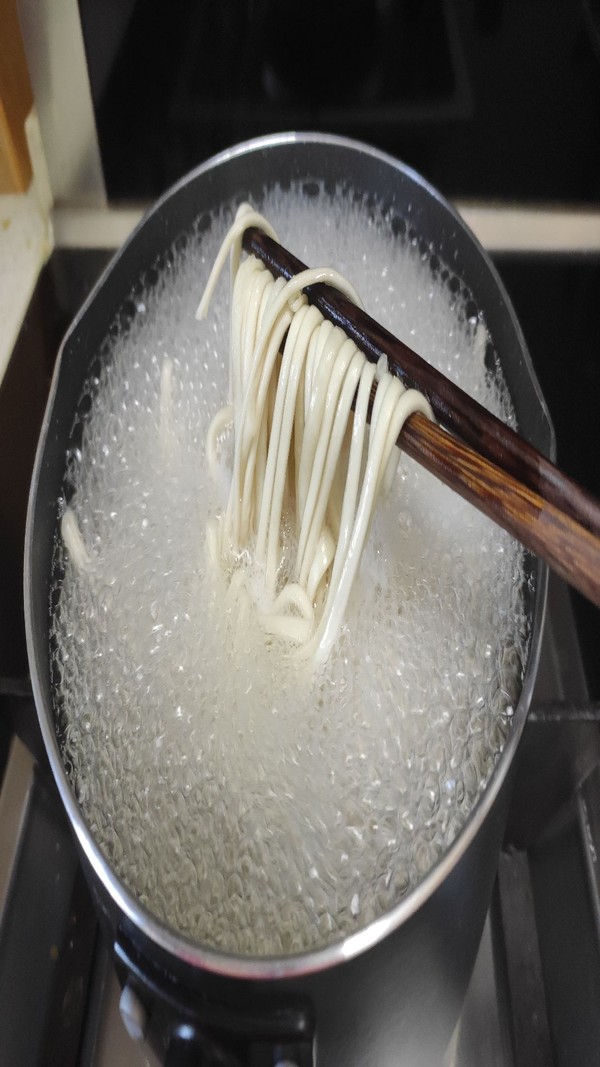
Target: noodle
299	448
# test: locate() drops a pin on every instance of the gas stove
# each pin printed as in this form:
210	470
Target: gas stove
533	997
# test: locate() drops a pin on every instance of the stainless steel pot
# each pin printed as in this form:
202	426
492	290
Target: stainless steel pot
390	994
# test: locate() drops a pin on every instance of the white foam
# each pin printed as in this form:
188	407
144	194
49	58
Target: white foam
255	808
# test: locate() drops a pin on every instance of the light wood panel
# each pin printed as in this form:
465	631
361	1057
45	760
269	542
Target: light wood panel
16	99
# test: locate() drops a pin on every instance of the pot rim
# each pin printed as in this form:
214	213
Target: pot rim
153	928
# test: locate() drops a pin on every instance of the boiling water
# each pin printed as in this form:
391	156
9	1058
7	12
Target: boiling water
251	804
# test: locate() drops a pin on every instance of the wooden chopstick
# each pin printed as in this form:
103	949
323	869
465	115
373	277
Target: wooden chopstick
486	462
452	407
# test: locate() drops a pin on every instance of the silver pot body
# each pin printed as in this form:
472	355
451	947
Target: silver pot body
392	993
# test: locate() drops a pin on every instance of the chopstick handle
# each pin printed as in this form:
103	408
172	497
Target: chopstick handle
566	545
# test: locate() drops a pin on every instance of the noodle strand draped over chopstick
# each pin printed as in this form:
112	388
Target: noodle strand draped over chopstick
307	465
